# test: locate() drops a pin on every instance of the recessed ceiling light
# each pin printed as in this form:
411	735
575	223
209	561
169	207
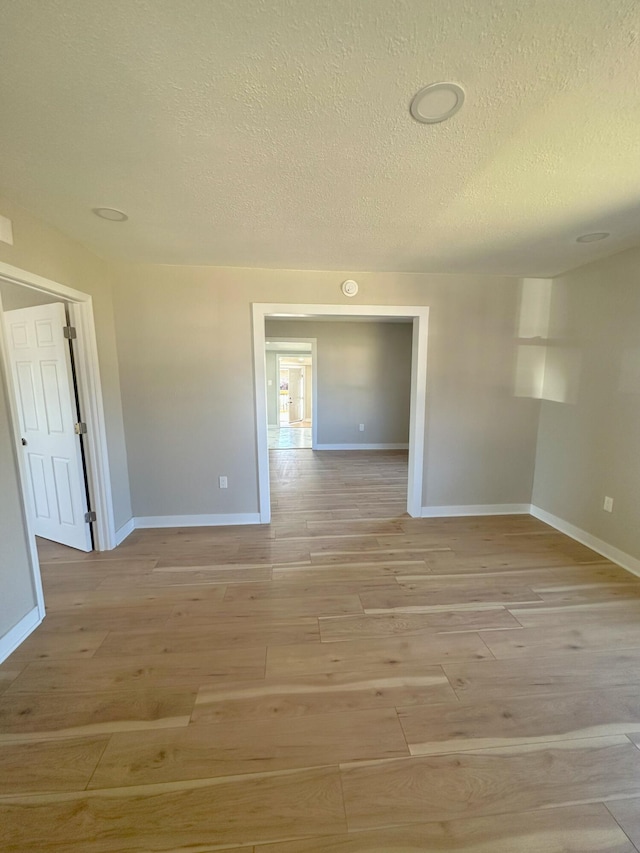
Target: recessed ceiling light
592	238
437	102
111	214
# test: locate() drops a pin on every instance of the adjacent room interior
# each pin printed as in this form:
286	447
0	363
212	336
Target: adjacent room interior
319	446
289	366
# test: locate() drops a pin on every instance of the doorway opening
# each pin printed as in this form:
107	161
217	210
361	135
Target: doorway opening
40	344
417	316
291	398
294	386
57	396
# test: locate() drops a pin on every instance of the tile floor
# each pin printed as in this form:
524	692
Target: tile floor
288	438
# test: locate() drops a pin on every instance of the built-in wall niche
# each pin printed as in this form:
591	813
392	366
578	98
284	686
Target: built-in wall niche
547	367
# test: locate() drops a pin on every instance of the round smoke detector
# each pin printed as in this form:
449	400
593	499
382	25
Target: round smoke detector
349	287
593	238
111	214
437	102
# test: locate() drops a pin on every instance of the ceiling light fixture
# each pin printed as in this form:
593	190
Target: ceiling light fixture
437	102
110	213
592	238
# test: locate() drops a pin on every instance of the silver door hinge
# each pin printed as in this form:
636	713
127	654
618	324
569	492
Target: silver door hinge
69	332
90	516
80	428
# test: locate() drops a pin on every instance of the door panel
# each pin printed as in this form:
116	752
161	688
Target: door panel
52	402
26	395
41	367
64	491
39	485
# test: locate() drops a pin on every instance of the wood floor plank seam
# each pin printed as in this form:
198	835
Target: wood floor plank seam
620	824
108	741
156	788
544	740
491	654
572	826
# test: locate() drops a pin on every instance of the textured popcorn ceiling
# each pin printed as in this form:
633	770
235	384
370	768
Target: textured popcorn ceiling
276	133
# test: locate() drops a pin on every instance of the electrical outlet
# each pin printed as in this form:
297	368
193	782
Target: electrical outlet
607	506
223	482
361	427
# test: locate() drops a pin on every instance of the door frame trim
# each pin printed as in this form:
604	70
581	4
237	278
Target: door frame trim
91	400
419	314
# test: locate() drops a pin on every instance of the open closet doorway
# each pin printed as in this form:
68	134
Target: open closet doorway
49	359
291	393
42	363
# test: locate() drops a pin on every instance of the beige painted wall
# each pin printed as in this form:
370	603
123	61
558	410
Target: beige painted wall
41	249
589	436
364	376
183	331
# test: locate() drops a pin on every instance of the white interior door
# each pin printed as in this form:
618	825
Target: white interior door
41	367
296	398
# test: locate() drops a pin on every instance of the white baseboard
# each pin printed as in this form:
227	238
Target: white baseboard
12	639
361	447
219	520
475	509
125	530
632	564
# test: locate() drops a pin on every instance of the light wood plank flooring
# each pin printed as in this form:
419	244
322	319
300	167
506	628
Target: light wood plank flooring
346	679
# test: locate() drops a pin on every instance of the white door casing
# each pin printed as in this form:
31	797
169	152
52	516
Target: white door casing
296	402
43	381
419	314
283	395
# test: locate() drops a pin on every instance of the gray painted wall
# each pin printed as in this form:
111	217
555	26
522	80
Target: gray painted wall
364	376
18	595
589	445
184	333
